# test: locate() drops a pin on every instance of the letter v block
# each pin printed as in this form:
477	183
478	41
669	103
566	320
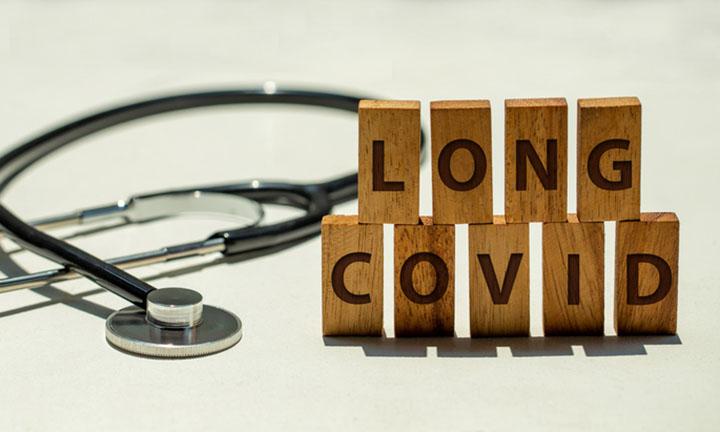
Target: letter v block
646	274
424	279
352	277
535	160
389	162
499	279
573	277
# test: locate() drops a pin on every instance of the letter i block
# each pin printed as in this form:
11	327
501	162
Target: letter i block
608	159
499	279
646	274
352	277
573	277
535	160
424	279
462	162
389	162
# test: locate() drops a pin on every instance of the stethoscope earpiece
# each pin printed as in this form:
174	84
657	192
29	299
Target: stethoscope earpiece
174	324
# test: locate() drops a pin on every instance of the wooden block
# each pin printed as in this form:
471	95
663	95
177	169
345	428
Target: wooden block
499	279
608	159
424	279
461	162
535	160
573	277
646	274
352	277
389	162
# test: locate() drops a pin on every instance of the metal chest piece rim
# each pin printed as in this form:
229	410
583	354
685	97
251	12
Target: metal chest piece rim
175	324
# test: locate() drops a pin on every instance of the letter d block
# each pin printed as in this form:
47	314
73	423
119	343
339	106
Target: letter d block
499	279
389	162
608	159
646	274
424	279
352	277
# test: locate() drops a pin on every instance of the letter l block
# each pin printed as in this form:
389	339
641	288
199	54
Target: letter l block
352	277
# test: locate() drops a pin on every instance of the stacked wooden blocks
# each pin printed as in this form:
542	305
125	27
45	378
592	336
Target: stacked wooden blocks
608	189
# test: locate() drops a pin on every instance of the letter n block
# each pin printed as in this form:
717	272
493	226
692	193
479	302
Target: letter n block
352	277
646	274
535	160
424	279
608	159
389	162
462	162
573	277
499	279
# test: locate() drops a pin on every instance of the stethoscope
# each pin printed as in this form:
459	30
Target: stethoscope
173	322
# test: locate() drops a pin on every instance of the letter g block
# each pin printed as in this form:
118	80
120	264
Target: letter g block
352	277
608	159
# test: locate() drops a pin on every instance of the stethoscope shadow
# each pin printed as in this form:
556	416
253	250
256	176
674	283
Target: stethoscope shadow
79	302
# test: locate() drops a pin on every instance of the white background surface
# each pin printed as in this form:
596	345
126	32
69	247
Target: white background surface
63	58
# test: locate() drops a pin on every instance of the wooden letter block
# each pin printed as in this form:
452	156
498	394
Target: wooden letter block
499	279
389	162
424	279
462	162
573	277
608	159
646	274
535	160
352	277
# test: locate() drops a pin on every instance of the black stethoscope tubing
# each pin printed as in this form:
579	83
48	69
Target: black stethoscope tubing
316	200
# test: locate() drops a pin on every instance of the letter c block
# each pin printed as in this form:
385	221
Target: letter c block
608	159
424	279
389	162
352	277
646	274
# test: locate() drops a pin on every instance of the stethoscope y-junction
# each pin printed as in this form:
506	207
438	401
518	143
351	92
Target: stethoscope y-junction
173	322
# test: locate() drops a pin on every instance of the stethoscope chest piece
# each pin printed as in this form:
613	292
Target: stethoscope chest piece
175	324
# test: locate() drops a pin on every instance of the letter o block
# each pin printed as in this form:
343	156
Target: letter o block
424	279
352	277
646	274
608	159
462	162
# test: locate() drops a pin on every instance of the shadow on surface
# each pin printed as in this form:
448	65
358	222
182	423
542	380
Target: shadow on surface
594	346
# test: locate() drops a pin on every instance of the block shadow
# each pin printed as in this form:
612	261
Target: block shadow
535	346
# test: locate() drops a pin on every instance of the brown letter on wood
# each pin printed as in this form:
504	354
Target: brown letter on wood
352	277
424	279
462	161
573	277
608	159
646	274
389	162
499	279
535	160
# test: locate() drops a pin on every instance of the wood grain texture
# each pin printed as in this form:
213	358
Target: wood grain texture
341	237
503	250
389	162
650	305
461	161
608	159
534	130
424	279
573	277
